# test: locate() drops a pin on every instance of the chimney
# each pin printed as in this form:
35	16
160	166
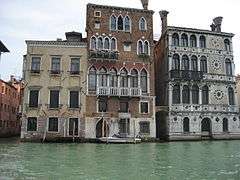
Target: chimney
145	4
217	23
73	36
163	16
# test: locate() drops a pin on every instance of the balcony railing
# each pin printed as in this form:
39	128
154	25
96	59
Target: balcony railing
103	54
116	91
186	75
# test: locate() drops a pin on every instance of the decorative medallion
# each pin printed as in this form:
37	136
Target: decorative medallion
218	94
215	42
216	64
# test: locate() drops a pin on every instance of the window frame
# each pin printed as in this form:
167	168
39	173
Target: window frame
36	124
140	107
57	125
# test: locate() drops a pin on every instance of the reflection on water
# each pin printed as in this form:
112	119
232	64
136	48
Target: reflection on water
176	160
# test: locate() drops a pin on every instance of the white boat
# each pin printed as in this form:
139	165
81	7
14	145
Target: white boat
119	140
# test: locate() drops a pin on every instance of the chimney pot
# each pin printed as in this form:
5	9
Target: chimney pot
163	15
145	4
217	23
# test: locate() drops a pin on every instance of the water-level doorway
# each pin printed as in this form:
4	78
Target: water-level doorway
73	127
206	127
102	129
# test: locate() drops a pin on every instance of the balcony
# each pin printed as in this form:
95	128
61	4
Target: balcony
186	75
116	91
103	54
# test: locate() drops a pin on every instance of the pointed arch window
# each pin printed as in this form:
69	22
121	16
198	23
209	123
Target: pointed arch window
127	24
134	79
228	66
227	45
185	62
203	64
176	94
120	23
92	79
146	47
102	77
194	63
205	95
93	43
100	43
176	62
106	43
193	41
184	40
142	24
113	23
202	40
195	94
175	39
185	95
225	125
186	125
140	47
231	96
123	78
144	81
113	81
113	44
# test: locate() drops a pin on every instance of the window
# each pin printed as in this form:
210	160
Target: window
225	125
54	98
184	40
194	63
73	123
185	62
231	96
92	79
193	41
176	94
97	13
144	107
203	64
113	44
124	127
75	66
175	39
176	62
134	78
55	65
144	81
228	66
123	78
185	95
227	45
127	24
140	47
127	47
33	98
113	81
100	43
35	66
195	94
102	105
93	43
144	127
31	124
202	40
120	23
97	25
102	77
142	24
124	106
185	125
205	95
113	23
146	47
106	43
53	124
74	99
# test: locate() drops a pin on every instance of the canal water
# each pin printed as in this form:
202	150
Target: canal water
162	161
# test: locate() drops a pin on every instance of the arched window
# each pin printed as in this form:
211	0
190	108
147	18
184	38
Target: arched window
93	43
185	95
185	62
144	81
227	45
176	62
127	24
175	39
113	44
113	81
176	94
102	77
225	125
203	64
123	78
134	79
113	23
100	43
142	24
228	66
140	47
106	43
184	40
231	96
146	47
194	63
193	41
195	94
186	125
205	95
202	40
92	79
120	23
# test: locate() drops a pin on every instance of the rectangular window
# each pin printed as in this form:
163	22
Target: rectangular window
54	98
127	47
102	105
144	127
73	126
124	127
75	66
124	106
33	98
97	25
55	68
74	99
35	66
144	107
32	124
53	124
97	13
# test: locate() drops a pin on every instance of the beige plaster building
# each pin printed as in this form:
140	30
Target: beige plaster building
54	73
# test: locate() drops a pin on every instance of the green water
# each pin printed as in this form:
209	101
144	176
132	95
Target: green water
177	160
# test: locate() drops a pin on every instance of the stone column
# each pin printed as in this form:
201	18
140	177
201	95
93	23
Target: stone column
170	62
200	96
181	88
170	89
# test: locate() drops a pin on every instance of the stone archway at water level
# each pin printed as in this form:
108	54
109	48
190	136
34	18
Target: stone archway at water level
102	129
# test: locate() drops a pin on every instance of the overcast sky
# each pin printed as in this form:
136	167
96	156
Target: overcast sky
22	20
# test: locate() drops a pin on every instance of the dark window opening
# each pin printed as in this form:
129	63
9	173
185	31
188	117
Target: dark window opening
74	99
32	124
54	98
33	98
53	124
144	127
